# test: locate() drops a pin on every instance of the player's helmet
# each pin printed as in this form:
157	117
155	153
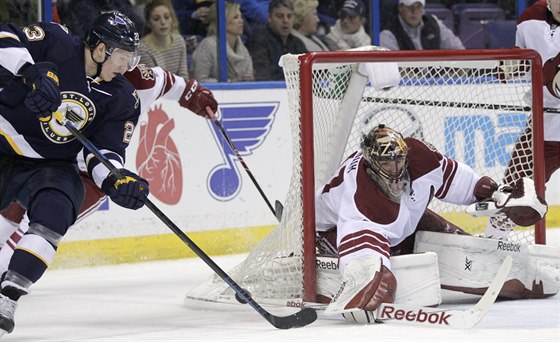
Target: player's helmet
385	152
115	30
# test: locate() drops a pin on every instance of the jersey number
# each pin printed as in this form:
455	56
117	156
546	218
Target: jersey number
34	33
128	130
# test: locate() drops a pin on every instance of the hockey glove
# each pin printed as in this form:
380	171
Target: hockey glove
196	98
521	203
365	285
129	192
485	188
44	97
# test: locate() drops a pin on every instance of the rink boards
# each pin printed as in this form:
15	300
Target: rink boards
198	183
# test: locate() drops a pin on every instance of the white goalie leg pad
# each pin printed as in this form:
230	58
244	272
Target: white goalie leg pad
468	264
417	279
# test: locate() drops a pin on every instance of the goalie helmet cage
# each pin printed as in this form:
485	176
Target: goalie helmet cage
470	104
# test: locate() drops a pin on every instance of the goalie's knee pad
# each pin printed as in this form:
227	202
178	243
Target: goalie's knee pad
468	264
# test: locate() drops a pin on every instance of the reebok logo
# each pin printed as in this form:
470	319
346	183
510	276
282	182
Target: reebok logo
414	316
294	304
509	246
326	265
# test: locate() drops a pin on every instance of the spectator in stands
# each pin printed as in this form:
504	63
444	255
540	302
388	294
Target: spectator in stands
20	12
415	30
254	11
79	15
305	26
193	17
205	57
327	11
268	43
163	46
349	32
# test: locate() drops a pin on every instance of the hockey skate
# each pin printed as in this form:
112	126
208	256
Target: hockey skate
7	309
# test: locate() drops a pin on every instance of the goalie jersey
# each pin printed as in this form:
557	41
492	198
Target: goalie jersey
537	30
367	221
105	112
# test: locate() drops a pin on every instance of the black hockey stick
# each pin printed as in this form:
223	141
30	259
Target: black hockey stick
299	319
276	213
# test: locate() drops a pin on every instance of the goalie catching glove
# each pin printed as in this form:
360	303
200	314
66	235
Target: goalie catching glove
129	192
365	285
196	98
520	202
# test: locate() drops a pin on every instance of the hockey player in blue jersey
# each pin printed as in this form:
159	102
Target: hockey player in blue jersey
57	71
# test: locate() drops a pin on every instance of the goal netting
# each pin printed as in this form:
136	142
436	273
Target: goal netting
474	106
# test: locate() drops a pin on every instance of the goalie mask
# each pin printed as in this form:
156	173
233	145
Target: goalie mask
120	37
385	152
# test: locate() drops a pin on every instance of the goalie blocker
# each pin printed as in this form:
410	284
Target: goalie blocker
467	264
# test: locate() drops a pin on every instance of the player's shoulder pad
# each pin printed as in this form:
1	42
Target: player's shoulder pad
56	36
124	95
53	31
142	77
537	11
422	157
415	144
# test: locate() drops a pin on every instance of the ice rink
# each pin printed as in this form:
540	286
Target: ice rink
144	302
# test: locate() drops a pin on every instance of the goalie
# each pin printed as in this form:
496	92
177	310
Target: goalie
377	200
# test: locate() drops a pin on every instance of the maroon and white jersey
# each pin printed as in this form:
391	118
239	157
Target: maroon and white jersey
155	83
370	223
537	30
151	84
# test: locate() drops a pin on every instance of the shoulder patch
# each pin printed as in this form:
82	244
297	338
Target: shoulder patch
141	77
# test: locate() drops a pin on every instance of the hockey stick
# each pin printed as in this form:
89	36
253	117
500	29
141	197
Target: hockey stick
434	317
299	319
468	105
238	155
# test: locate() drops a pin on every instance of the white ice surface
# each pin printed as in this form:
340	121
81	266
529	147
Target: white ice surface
144	302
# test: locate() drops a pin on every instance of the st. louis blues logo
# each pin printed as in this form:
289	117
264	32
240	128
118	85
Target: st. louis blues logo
76	108
247	125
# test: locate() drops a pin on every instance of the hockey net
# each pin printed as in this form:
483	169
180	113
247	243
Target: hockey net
473	106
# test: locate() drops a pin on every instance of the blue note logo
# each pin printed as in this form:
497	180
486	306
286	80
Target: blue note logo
247	125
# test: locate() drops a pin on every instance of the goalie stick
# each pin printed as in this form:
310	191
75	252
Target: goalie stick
276	213
437	317
299	319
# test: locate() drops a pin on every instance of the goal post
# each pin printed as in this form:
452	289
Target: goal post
475	106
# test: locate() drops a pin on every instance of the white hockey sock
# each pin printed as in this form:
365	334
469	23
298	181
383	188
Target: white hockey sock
7	228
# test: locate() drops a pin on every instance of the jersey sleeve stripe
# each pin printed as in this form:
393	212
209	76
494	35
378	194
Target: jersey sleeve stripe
16	141
450	169
5	34
364	239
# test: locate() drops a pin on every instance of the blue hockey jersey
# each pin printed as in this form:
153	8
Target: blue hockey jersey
105	112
